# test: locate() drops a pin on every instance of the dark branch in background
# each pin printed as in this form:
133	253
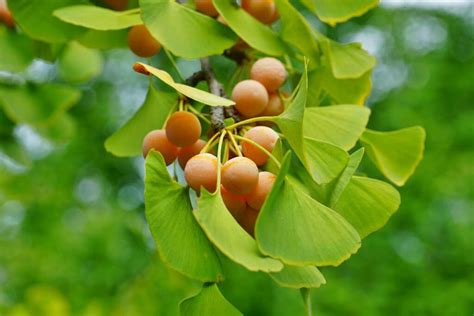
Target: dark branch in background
217	112
196	78
236	54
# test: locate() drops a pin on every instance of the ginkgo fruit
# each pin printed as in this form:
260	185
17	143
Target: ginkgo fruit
274	107
201	171
263	136
270	72
262	10
141	42
187	152
259	194
250	97
239	175
158	141
6	16
183	128
206	7
247	220
236	204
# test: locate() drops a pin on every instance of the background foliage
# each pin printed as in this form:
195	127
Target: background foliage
73	237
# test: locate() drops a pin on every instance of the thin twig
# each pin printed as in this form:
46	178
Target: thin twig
217	112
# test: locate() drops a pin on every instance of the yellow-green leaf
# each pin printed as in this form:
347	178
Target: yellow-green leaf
333	12
209	301
299	277
348	61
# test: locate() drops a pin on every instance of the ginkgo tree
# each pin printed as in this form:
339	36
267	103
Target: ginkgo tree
318	207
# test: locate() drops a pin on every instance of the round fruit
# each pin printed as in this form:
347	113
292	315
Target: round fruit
183	128
186	153
250	97
158	141
201	171
262	10
257	197
270	72
248	219
239	175
235	203
206	7
117	5
141	42
265	137
274	107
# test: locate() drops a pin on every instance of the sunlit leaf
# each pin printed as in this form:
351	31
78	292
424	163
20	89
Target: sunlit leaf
97	18
16	51
367	204
209	301
348	61
333	12
309	233
397	153
79	64
180	241
227	235
185	32
340	125
254	33
37	105
35	17
127	141
191	92
104	39
299	277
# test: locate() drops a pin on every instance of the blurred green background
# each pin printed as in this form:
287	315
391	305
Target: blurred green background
74	241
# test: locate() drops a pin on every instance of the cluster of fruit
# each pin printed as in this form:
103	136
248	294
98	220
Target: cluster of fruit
244	187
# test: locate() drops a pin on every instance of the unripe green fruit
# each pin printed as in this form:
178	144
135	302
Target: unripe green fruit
186	153
234	203
141	42
262	10
206	7
270	72
265	137
259	194
158	141
248	219
250	97
201	171
183	128
239	175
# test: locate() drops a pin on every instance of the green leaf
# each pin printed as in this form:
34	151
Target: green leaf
333	12
180	241
78	64
296	31
299	277
191	92
309	233
127	141
348	61
60	131
397	153
185	32
254	33
209	301
98	18
367	204
35	17
104	39
341	125
227	235
16	51
37	105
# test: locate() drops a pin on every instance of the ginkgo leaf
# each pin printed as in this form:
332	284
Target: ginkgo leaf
367	204
299	277
104	39
78	64
348	61
333	12
309	233
98	18
16	51
341	125
228	236
185	32
254	33
191	92
180	241
127	141
397	153
209	301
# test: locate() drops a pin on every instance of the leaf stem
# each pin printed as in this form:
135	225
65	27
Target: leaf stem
209	143
199	114
234	143
252	120
306	294
261	148
219	159
173	63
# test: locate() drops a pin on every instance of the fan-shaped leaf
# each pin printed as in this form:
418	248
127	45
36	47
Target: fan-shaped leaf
209	301
348	61
254	33
299	277
185	32
191	92
180	241
333	12
396	154
367	204
127	141
98	18
79	64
